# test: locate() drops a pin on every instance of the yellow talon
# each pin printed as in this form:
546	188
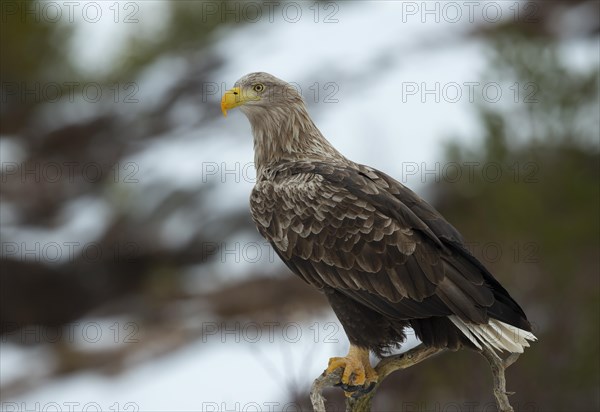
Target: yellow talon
357	369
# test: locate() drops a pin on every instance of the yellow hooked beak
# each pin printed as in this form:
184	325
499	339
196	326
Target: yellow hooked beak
233	98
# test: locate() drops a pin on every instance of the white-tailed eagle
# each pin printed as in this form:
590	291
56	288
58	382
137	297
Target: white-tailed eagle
385	258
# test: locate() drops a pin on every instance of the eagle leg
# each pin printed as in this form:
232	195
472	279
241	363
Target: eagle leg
358	376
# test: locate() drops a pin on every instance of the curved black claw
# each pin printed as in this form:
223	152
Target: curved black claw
356	390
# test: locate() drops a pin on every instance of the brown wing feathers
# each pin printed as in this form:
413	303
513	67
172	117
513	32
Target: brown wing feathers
361	232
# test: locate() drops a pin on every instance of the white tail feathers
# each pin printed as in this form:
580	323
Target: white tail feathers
495	335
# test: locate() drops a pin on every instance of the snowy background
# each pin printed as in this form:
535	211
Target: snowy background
390	84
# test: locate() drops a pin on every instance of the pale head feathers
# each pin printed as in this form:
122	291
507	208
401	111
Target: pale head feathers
281	126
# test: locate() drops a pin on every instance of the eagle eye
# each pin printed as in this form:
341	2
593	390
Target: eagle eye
258	87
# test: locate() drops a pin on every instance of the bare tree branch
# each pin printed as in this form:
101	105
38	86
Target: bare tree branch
319	384
385	367
403	361
499	366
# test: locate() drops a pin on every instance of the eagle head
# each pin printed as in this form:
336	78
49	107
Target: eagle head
260	91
